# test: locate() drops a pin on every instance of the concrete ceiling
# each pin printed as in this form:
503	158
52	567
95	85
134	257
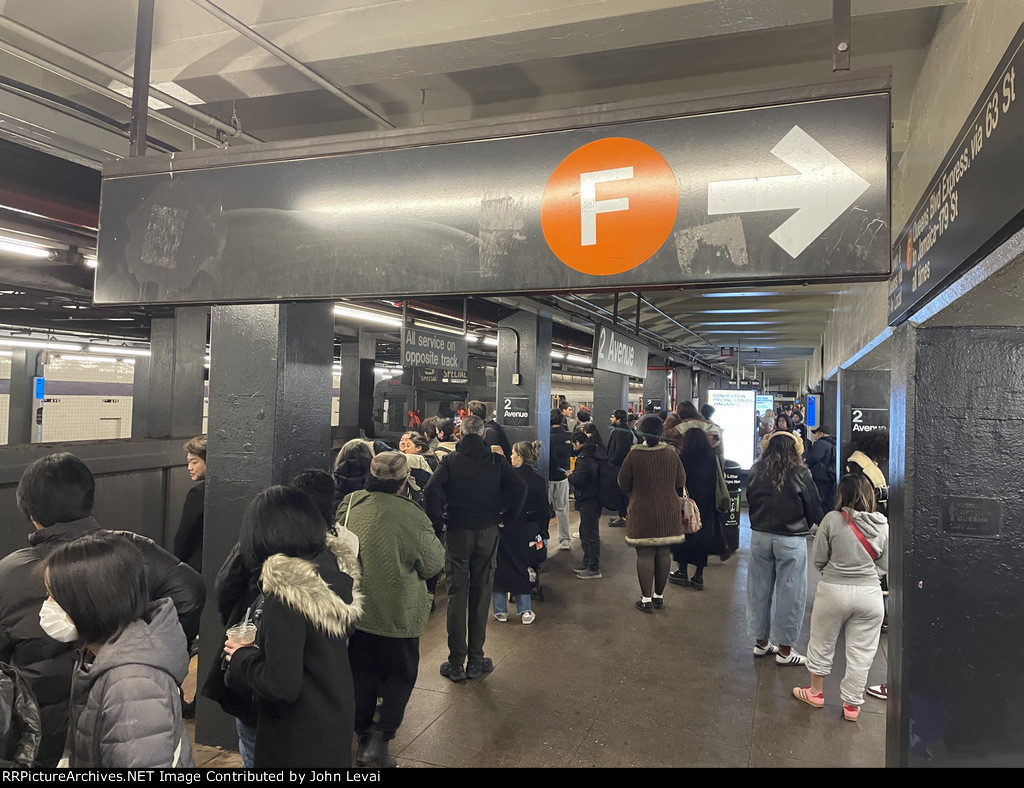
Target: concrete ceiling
425	62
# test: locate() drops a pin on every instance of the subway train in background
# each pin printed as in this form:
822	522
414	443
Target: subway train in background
400	401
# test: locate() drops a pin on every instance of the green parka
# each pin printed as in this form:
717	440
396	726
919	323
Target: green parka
398	551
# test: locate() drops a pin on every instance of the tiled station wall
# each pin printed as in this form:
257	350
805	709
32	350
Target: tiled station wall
90	400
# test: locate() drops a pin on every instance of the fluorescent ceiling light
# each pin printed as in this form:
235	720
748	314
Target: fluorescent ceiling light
371	317
170	88
491	341
444	329
472	338
115	350
753	311
577	359
556	354
6	353
91	359
40	344
739	323
91	261
29	250
392	371
740	294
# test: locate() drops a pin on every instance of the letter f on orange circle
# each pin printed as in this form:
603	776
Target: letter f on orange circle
609	206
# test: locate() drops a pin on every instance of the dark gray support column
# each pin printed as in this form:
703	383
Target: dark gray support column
172	403
535	370
704	385
270	417
859	389
367	379
611	391
348	400
956	562
21	415
656	385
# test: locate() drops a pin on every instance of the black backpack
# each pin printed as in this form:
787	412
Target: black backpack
494	431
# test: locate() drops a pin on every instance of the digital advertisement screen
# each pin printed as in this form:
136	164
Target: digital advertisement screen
734	413
763	402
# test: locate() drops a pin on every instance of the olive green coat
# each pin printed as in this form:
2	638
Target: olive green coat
398	551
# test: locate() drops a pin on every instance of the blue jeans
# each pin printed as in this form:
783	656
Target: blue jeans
778	566
246	743
499	600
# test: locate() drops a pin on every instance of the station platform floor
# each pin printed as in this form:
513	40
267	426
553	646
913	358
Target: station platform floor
595	682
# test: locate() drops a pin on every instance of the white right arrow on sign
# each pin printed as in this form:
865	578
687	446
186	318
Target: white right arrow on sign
823	190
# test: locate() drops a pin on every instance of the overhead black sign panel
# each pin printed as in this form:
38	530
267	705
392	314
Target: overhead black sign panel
617	352
790	192
974	201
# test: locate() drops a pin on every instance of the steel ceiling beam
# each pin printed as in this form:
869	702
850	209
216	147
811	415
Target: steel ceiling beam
111	73
292	61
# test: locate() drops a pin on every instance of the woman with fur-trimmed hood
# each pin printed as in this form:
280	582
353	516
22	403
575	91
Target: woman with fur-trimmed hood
653	477
298	669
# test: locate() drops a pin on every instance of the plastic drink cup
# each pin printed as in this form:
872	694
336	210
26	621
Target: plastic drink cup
244	634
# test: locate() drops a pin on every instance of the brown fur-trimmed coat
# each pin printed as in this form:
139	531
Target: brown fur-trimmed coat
299	671
652	477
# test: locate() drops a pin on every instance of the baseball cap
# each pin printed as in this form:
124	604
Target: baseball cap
389	465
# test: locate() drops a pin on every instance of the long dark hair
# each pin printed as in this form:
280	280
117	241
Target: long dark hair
855	492
696	444
687	410
281	520
100	582
780	458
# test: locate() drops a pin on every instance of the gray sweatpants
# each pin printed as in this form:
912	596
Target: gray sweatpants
859	610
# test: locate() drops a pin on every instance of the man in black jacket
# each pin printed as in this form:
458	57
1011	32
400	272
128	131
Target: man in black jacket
494	433
821	459
558	482
467	495
56	494
620	441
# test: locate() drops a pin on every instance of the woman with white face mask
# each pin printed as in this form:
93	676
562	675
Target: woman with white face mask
125	710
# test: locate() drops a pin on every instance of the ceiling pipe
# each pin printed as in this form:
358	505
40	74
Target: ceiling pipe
119	76
292	61
103	90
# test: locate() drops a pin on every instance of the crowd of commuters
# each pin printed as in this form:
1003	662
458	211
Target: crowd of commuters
330	585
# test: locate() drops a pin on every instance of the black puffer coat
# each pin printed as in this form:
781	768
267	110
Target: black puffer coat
20	729
349	476
125	709
586	475
48	664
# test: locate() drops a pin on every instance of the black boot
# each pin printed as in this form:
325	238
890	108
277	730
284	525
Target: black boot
364	742
376	755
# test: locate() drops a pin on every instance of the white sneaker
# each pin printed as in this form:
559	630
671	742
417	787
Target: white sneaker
765	650
792	659
565	546
529	616
502	617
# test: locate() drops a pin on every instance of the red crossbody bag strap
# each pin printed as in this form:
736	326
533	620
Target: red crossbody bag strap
860	537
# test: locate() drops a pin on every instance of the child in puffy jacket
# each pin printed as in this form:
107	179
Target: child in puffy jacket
125	710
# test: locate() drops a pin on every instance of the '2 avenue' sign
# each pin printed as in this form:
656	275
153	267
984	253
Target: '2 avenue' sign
792	192
615	352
